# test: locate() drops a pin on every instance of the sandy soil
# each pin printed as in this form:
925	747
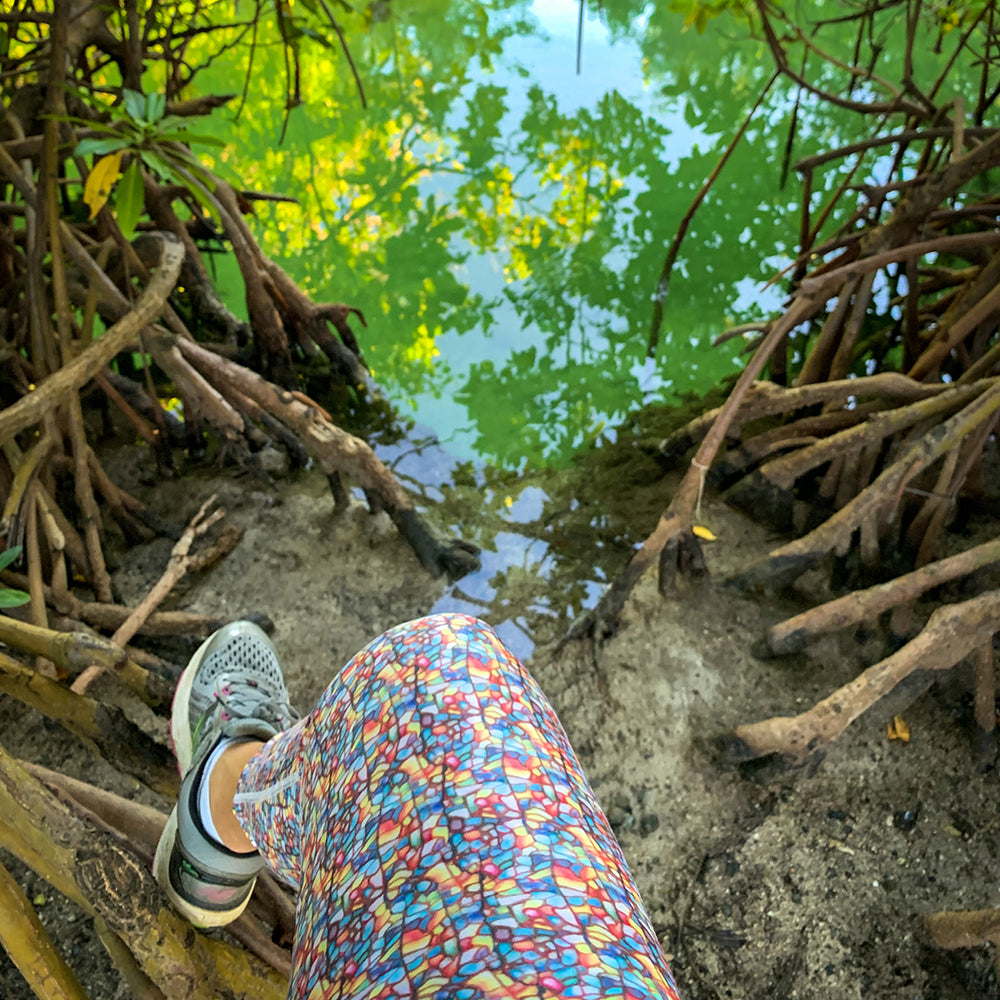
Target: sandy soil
805	883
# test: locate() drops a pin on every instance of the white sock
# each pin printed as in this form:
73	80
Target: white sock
204	800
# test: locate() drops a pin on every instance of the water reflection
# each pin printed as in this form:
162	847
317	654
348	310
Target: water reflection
501	220
502	223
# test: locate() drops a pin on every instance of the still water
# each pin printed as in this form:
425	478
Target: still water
501	218
500	212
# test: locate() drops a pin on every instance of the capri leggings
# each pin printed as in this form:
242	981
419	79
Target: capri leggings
442	836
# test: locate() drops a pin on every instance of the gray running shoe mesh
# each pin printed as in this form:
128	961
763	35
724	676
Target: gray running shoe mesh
243	674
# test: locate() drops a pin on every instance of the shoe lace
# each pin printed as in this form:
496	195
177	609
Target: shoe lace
245	698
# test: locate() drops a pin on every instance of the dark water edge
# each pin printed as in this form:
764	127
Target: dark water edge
552	537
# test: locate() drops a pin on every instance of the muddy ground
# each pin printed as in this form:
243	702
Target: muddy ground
806	883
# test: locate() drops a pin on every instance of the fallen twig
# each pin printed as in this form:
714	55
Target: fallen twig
179	563
338	451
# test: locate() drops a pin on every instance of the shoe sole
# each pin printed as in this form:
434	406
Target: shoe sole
181	738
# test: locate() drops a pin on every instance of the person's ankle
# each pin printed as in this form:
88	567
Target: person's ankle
222	781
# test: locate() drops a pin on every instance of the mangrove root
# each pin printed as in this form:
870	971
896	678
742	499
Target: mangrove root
952	632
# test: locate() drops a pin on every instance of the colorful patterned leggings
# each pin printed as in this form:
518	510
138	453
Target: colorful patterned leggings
442	835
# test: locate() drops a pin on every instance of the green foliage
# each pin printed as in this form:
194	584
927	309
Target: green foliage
698	15
139	126
9	597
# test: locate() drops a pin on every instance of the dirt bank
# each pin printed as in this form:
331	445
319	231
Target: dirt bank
804	884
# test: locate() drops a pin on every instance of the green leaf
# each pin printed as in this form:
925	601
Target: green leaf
186	171
10	598
87	123
316	36
172	122
160	166
184	159
6	558
130	199
202	196
156	104
100	147
135	105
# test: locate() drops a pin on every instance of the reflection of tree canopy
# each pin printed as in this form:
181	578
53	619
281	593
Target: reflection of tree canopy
575	207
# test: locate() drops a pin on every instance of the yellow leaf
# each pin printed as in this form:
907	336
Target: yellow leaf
702	532
101	180
898	729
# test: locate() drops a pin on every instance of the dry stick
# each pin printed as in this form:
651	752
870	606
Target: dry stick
139	823
961	243
44	353
969	454
270	336
105	730
142	427
113	494
248	932
31	949
840	367
201	399
964	928
875	504
783	472
901	138
72	376
33	553
177	566
800	433
932	504
674	526
951	633
111	616
818	362
75	548
663	282
125	507
103	874
57	545
961	318
90	513
25	466
75	651
741	330
142	826
897	104
985	704
861	475
795	633
55	107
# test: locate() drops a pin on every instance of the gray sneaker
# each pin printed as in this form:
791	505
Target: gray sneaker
233	687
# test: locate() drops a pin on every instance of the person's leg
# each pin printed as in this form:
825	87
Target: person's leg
443	835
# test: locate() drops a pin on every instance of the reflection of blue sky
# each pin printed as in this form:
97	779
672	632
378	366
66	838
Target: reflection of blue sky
547	58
